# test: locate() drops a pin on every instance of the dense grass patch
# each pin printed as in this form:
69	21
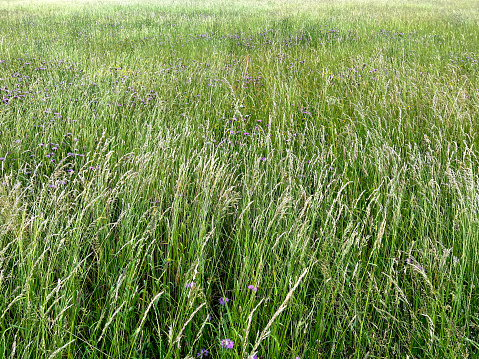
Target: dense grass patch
239	179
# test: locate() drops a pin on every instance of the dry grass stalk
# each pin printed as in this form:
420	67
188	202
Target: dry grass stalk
265	332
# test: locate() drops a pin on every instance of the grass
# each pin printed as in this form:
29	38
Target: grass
316	165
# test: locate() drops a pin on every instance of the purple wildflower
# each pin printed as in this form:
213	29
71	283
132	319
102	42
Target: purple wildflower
253	288
227	343
202	353
91	168
223	300
190	285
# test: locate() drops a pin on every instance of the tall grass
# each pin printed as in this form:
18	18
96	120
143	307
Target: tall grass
300	179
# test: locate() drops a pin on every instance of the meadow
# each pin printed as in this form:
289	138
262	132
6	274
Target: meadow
239	179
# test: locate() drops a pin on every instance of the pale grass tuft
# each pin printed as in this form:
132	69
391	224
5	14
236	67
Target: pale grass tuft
264	334
54	354
246	332
109	321
180	334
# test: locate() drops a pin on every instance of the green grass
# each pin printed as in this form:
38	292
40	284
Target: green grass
326	154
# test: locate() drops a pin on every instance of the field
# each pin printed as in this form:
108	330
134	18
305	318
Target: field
239	179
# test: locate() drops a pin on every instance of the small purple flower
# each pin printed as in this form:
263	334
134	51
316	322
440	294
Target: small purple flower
223	300
253	288
190	285
227	343
91	168
202	353
2	158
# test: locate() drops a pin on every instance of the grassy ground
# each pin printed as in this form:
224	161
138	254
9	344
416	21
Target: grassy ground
239	179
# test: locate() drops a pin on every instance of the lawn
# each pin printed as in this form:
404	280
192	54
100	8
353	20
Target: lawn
239	179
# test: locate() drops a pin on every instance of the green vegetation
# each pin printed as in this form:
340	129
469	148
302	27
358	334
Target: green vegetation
239	179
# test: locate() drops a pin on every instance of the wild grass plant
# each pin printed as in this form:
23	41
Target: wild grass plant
239	179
